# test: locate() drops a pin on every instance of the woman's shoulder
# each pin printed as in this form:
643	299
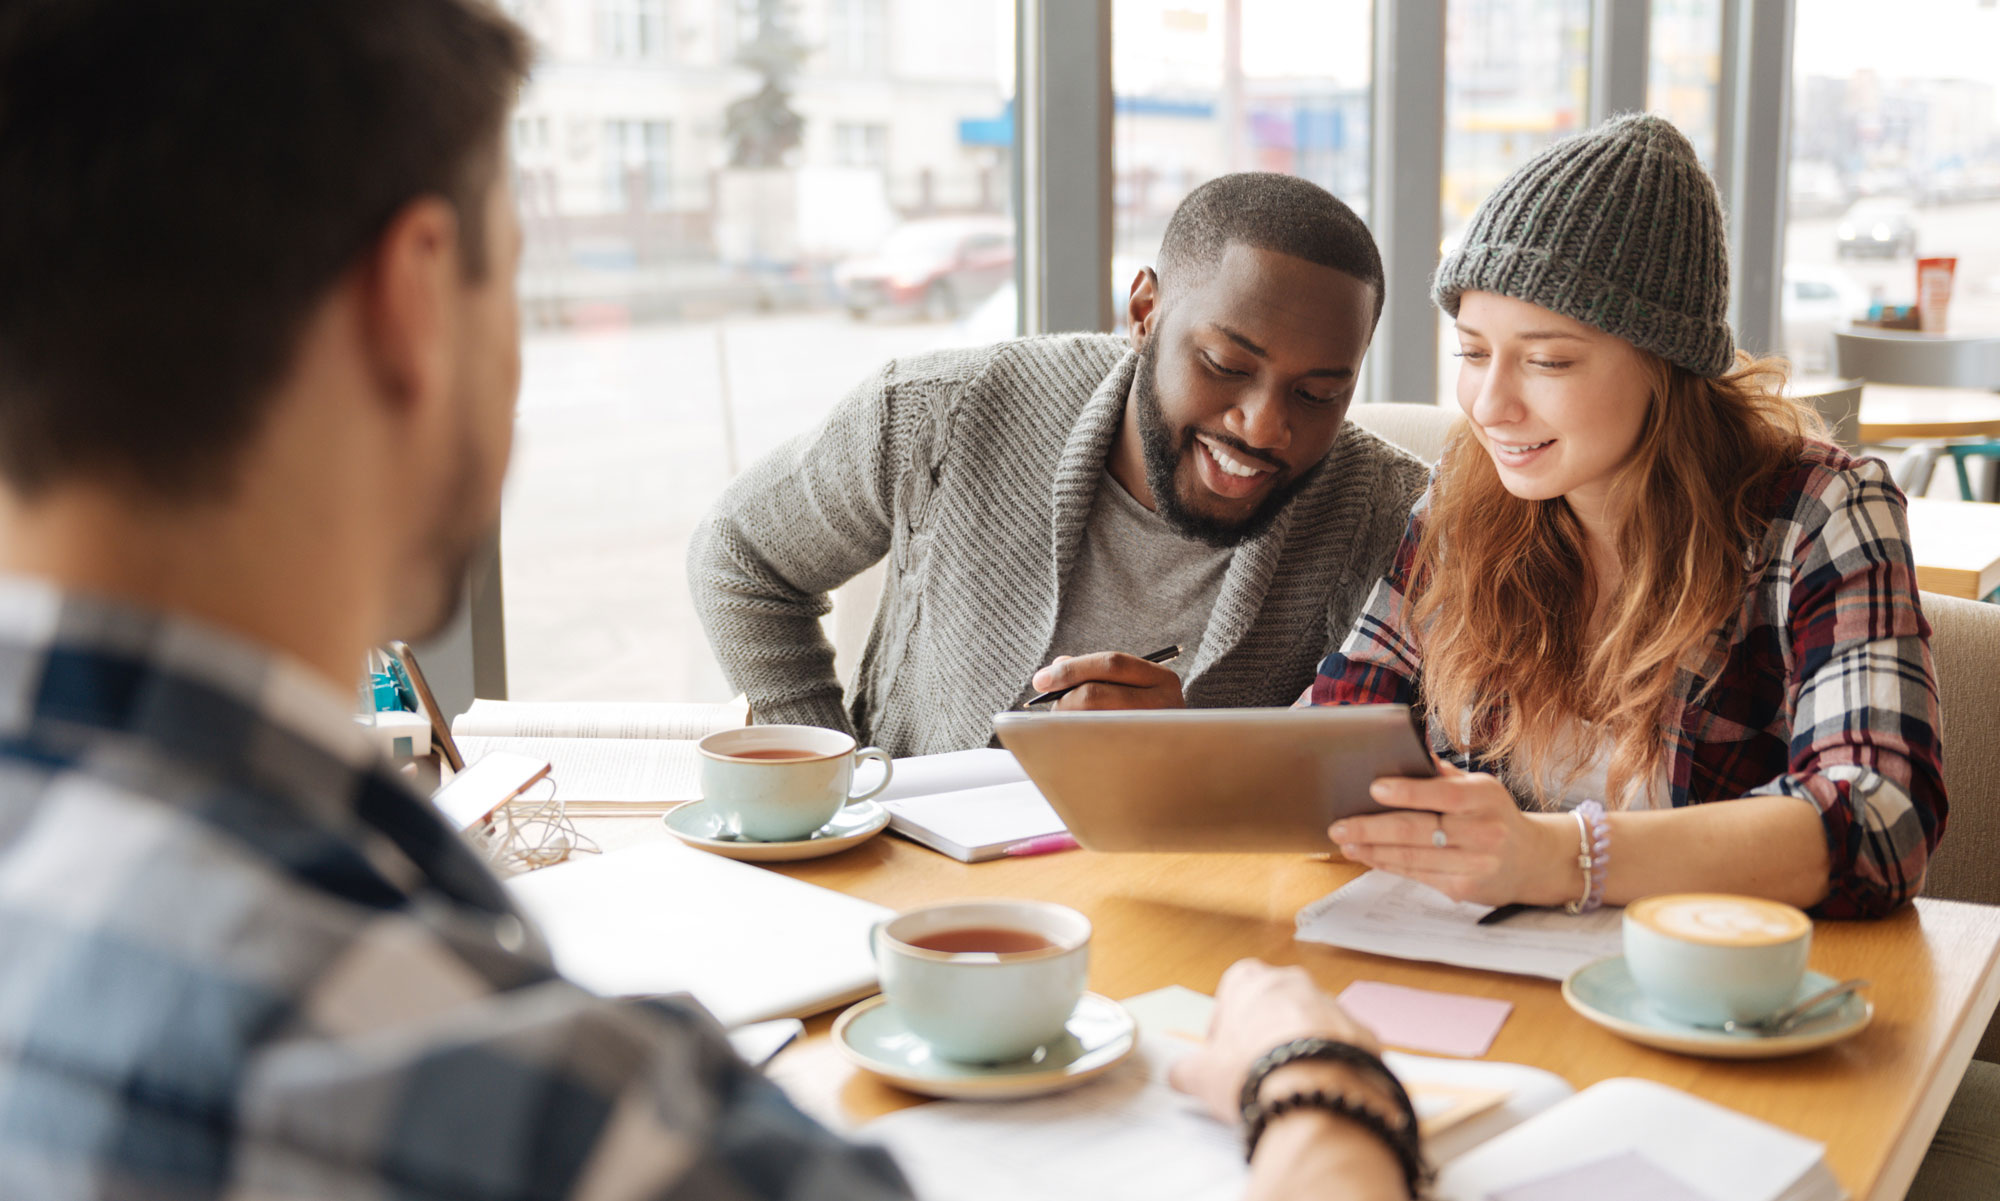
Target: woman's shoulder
1826	492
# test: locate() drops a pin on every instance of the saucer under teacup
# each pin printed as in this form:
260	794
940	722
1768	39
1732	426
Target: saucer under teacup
1605	992
1099	1036
698	825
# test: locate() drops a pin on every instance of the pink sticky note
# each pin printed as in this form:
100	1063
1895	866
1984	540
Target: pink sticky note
1629	1176
1418	1019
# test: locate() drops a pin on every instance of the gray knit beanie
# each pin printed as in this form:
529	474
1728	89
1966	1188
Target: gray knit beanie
1619	228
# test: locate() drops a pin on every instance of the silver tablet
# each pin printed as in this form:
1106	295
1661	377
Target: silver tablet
1213	779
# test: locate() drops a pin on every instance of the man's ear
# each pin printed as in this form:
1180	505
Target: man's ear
409	286
1142	307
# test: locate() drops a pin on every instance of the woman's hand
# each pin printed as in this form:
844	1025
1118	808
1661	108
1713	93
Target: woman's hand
1491	852
1258	1007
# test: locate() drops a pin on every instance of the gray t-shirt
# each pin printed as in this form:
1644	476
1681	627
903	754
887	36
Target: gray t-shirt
1137	585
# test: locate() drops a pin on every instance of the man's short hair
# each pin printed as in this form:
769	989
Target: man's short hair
182	182
1279	213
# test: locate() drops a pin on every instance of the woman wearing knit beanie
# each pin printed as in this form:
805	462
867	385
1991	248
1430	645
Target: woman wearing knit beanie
1641	583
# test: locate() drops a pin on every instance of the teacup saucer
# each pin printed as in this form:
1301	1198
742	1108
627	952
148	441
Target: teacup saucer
1099	1036
700	826
1605	993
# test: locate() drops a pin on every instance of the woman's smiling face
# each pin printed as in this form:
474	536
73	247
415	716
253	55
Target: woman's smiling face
1557	404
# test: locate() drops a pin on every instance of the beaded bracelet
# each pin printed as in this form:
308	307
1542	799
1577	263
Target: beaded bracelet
1593	856
1403	1141
1400	1145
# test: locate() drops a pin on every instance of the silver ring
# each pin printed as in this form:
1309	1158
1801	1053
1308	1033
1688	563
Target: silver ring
1437	836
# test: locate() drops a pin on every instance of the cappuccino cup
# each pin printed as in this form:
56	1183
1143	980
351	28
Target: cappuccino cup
984	981
1709	958
781	783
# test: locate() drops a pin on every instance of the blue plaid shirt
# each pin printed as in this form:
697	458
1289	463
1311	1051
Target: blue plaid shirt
241	960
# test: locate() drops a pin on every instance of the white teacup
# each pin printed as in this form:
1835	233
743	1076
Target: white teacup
984	981
1709	958
780	783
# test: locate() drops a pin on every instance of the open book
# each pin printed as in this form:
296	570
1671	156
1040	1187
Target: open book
971	805
1496	1131
609	757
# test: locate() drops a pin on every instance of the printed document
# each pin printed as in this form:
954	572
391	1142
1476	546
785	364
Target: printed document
1385	914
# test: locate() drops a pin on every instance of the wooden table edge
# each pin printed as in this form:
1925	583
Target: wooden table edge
1912	1142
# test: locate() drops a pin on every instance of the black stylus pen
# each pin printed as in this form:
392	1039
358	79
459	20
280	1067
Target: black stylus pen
1504	912
1166	654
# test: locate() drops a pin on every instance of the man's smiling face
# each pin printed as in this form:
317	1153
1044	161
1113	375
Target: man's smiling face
1242	382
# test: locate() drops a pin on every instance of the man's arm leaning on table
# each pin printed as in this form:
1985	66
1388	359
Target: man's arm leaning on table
798	523
540	1091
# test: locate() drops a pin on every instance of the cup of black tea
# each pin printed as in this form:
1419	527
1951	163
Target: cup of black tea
984	981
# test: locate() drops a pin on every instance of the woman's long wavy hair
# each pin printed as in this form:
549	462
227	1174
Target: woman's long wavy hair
1506	594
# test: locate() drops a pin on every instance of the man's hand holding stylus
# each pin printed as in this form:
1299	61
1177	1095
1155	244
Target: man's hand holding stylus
1111	680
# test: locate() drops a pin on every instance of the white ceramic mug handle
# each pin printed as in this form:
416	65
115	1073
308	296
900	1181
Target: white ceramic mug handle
880	756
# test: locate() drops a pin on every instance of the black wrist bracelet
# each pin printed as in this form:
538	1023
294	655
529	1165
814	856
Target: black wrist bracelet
1401	1143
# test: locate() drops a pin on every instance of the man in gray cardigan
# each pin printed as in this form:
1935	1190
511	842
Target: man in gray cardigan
1071	497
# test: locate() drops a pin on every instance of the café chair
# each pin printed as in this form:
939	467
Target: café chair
1925	361
1965	644
1420	429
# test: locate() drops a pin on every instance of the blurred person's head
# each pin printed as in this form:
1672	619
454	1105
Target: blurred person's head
260	259
1250	333
1609	419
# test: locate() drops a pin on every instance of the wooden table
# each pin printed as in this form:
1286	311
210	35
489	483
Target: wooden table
1889	413
1874	1100
1957	546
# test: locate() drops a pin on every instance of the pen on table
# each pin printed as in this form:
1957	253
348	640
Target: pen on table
1502	913
1166	654
1046	844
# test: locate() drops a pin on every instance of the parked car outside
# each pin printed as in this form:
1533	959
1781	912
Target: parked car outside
938	267
1877	226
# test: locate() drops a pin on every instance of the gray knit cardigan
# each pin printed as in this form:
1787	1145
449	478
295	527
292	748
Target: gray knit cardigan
973	472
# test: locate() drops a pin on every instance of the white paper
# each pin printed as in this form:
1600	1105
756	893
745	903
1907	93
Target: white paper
1385	914
979	820
928	775
1126	1135
660	918
1715	1151
596	719
589	771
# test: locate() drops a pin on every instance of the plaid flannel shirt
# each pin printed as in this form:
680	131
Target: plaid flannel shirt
1822	682
243	961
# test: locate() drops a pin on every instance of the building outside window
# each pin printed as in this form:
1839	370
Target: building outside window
1516	78
857	35
1684	75
861	144
633	29
1208	87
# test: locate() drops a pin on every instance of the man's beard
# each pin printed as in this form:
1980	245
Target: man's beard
441	577
1164	457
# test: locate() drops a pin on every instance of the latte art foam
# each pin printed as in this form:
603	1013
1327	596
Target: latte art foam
1721	920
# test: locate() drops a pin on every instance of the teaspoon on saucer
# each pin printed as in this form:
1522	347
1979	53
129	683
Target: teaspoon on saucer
1792	1015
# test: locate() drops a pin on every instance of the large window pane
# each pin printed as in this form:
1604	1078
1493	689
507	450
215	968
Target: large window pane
1895	153
1516	78
1207	87
735	210
1684	76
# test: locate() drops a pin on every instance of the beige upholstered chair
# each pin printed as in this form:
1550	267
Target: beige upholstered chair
1965	643
1420	429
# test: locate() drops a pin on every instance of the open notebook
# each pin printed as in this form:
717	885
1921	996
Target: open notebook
970	805
609	757
663	918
